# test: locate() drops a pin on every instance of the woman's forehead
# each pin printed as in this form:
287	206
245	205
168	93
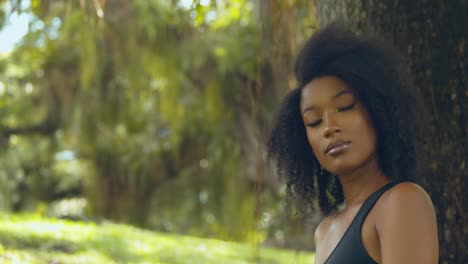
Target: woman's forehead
324	89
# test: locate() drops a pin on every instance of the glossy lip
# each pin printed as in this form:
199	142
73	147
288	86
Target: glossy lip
336	147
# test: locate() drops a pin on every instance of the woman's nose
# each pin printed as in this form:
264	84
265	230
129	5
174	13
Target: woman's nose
330	126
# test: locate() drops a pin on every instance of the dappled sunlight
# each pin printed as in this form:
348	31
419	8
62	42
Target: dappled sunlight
156	114
15	256
31	237
111	109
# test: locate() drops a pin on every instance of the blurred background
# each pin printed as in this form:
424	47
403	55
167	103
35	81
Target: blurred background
154	113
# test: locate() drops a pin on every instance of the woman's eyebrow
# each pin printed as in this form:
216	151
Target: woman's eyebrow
310	108
341	93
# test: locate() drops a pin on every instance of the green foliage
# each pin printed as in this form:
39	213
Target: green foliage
32	239
149	99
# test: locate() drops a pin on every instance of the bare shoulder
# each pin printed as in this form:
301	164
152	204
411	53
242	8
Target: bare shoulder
322	229
406	195
404	200
406	225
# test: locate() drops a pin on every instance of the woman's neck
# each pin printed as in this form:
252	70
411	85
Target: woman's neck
362	182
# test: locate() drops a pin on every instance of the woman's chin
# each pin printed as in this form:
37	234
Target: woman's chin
341	170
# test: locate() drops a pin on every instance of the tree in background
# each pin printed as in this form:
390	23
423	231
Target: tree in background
155	111
432	36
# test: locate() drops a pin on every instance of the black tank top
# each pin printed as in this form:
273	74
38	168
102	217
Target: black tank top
350	249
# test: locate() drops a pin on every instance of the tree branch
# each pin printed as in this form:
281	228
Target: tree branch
46	128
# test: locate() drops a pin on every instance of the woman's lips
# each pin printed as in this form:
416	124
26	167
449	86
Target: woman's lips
337	149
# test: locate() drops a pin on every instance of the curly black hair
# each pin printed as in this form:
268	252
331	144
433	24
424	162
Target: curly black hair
372	68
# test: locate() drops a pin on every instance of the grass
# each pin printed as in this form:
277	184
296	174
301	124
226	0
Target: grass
34	239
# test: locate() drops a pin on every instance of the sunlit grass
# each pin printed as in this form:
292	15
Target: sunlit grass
32	239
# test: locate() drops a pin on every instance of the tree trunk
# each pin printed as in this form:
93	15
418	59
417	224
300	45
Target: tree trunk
280	31
432	36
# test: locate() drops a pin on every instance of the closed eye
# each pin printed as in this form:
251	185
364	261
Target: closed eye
349	107
316	123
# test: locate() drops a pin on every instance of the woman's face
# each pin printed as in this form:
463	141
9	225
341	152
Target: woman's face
338	126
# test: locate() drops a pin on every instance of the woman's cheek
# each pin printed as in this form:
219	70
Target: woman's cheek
313	142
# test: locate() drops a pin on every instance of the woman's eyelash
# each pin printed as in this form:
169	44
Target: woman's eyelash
314	123
349	107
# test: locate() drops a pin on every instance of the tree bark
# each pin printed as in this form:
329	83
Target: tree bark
432	36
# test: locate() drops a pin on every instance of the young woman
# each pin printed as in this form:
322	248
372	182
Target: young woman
348	140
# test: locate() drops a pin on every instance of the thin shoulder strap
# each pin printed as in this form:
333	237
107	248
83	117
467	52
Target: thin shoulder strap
370	202
350	248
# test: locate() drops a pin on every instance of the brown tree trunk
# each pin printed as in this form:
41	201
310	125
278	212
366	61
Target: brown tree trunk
432	36
279	34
